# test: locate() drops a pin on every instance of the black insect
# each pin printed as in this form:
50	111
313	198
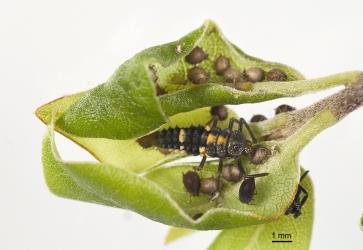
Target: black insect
209	141
297	204
284	108
248	187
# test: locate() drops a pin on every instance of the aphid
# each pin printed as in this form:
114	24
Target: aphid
232	75
196	56
191	181
284	108
297	204
259	155
221	65
258	118
276	75
219	111
248	187
232	173
198	75
255	74
210	186
208	142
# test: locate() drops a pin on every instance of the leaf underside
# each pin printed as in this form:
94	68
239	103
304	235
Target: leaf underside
120	187
297	230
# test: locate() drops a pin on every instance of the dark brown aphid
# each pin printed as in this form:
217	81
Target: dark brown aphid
255	74
284	108
196	56
276	75
221	65
198	75
191	181
259	155
210	141
209	186
220	111
232	173
248	188
258	118
232	75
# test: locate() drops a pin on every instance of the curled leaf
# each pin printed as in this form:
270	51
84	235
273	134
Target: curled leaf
157	83
159	193
126	153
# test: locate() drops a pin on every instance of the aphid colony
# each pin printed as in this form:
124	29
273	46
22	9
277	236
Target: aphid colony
232	76
212	141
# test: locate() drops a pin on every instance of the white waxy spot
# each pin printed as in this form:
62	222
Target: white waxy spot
178	49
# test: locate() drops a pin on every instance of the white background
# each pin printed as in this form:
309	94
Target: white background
52	48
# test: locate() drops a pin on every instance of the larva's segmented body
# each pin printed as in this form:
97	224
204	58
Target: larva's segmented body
198	140
213	142
188	139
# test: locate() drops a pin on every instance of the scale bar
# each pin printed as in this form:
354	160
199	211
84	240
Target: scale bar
282	241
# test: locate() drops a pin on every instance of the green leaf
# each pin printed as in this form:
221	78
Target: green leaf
275	191
159	194
107	185
110	120
261	236
126	153
130	105
176	233
215	94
